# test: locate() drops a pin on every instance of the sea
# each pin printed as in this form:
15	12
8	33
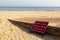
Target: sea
29	8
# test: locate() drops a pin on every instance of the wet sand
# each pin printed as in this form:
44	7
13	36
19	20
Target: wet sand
9	31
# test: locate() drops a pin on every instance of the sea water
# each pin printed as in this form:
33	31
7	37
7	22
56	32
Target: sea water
29	8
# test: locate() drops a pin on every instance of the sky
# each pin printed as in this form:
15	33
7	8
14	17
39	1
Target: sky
28	3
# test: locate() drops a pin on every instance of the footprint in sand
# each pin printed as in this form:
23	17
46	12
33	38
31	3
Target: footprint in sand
0	21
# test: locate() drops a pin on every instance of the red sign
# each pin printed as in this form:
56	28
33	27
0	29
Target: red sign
40	26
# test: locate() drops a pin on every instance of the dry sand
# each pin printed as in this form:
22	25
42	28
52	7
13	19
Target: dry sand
9	31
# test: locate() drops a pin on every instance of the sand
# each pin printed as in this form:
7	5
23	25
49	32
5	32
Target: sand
8	31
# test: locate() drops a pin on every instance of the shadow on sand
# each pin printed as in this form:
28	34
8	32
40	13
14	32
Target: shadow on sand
43	36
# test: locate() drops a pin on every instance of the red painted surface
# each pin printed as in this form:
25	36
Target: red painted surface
40	26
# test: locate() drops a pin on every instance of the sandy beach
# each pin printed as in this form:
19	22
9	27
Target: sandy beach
9	31
18	14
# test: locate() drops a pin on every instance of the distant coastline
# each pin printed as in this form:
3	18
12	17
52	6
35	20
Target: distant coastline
29	8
